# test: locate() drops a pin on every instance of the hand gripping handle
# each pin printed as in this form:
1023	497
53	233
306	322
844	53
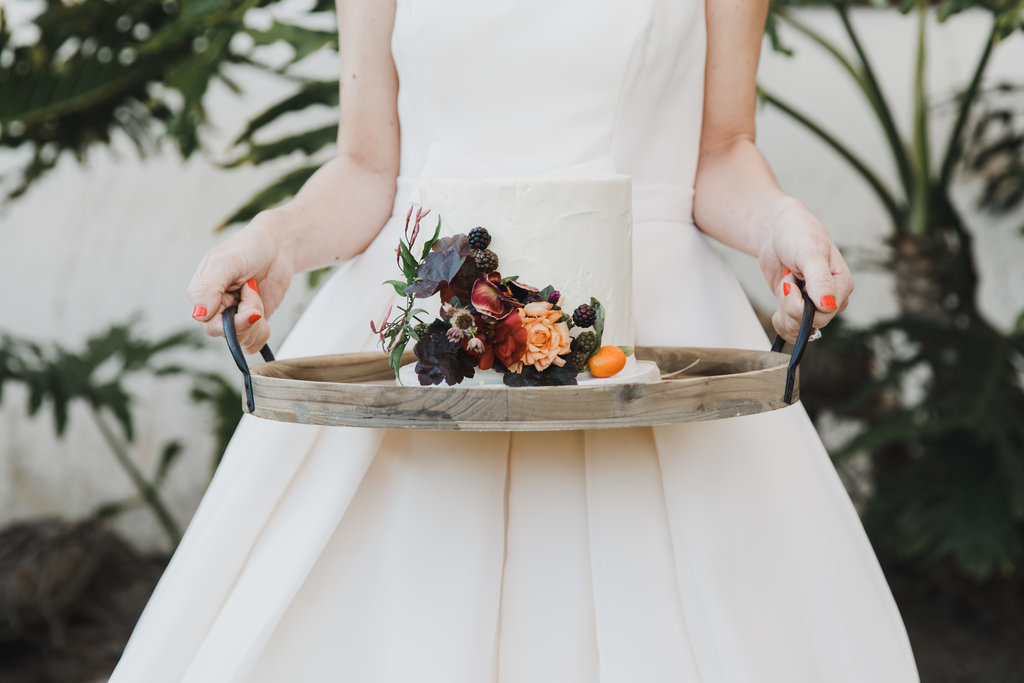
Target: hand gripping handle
798	348
231	336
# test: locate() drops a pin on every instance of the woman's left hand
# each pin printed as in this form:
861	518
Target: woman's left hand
797	248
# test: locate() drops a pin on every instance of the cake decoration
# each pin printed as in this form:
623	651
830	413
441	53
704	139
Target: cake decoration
487	320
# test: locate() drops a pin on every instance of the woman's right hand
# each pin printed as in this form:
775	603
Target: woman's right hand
339	210
250	264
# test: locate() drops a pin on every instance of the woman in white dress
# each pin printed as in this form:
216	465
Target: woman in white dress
719	552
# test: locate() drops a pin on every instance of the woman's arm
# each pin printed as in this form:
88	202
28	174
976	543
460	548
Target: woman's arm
737	200
338	211
343	206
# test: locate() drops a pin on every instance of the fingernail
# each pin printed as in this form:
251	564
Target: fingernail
199	311
785	288
786	272
828	302
254	317
254	286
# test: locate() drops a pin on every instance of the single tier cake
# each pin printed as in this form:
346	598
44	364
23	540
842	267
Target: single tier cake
573	234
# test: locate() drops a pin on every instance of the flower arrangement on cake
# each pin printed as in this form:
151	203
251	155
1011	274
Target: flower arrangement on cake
487	320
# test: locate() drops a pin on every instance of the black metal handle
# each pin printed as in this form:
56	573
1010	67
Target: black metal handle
798	348
231	336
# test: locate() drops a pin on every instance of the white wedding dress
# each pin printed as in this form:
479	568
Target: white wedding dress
717	552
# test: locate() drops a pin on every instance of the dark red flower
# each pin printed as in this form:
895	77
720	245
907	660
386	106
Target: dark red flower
489	299
508	343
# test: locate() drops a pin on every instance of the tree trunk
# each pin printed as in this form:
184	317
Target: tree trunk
936	277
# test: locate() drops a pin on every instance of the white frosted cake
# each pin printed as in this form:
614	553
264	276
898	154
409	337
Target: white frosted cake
574	234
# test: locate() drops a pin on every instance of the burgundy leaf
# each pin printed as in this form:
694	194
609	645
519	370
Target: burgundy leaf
440	266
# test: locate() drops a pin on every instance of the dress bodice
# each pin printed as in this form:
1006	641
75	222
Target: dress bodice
527	86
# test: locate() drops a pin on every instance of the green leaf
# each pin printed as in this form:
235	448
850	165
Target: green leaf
409	264
433	239
771	30
398	285
598	319
114	398
273	194
114	508
628	350
304	41
310	94
316	276
395	357
168	457
308	142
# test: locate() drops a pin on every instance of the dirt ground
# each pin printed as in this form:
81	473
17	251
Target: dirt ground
958	641
952	643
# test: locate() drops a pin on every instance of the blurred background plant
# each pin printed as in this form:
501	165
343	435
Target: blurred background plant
942	417
87	69
100	376
70	588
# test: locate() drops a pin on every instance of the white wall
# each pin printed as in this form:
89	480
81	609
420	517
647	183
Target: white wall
91	245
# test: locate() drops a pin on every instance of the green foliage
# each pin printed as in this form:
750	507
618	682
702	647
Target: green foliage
316	143
923	185
395	334
951	463
142	69
98	377
947	435
222	398
137	67
995	150
276	192
95	375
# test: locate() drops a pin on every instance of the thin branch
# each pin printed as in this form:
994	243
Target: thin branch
954	146
920	209
886	197
149	494
825	44
879	103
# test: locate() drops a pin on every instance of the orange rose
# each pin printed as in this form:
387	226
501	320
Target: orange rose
547	337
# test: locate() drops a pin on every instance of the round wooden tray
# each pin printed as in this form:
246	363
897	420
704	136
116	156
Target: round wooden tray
359	390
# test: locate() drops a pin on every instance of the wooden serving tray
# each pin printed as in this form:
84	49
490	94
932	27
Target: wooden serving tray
360	390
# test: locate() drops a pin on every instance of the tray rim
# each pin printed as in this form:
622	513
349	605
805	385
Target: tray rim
382	404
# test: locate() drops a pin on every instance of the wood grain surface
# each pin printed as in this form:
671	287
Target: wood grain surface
360	390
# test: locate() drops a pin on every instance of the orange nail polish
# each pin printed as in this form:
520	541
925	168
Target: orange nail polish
828	302
785	288
199	311
254	286
254	317
786	272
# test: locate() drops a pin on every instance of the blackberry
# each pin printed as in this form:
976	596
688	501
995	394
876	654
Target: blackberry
421	329
479	238
585	342
486	260
578	359
584	316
